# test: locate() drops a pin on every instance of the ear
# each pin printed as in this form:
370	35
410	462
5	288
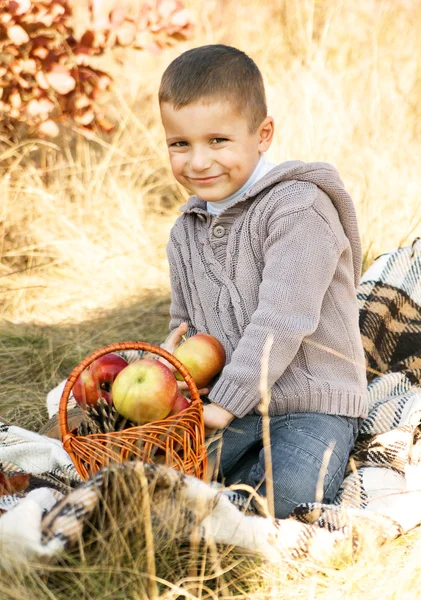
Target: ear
265	133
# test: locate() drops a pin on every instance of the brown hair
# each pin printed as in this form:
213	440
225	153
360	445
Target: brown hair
216	71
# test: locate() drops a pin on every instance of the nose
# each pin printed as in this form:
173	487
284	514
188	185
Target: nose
200	160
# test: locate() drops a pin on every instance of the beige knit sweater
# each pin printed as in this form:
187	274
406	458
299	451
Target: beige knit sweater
283	261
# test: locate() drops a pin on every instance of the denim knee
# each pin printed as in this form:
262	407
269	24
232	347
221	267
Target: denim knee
309	457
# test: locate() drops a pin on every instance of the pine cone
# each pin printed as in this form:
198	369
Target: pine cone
102	418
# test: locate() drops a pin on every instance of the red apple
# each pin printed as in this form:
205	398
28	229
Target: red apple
96	380
181	402
145	391
204	357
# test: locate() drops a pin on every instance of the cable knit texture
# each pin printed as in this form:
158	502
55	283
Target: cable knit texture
283	261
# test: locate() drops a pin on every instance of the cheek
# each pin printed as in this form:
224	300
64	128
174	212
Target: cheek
177	162
234	161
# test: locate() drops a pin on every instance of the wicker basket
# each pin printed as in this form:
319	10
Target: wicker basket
177	441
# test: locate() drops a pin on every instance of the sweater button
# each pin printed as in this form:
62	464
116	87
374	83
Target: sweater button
219	231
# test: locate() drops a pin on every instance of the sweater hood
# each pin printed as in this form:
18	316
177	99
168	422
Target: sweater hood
322	174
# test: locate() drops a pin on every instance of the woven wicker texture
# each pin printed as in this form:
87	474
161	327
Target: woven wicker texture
177	441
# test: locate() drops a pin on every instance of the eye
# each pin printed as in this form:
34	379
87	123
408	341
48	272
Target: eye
218	140
178	144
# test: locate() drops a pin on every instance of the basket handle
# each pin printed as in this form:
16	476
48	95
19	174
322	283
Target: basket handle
62	412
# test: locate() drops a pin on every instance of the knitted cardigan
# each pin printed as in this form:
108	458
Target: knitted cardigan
282	262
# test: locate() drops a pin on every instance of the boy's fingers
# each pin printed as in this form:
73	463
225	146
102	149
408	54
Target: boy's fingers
174	338
183	327
172	341
180	331
183	387
166	363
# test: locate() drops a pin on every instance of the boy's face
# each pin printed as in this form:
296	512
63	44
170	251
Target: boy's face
211	150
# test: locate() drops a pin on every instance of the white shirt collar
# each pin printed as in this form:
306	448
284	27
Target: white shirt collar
262	167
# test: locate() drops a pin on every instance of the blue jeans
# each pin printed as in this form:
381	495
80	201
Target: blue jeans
298	445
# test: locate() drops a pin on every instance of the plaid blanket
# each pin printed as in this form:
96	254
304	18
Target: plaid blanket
46	508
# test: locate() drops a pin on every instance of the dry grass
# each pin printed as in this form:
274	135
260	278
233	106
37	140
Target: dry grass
83	227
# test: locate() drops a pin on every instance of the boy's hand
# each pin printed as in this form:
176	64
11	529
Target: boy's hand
170	344
216	417
173	340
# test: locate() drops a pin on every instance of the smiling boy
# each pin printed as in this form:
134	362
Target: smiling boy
212	150
263	250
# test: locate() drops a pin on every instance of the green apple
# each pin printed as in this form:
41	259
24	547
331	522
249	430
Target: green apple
204	357
145	391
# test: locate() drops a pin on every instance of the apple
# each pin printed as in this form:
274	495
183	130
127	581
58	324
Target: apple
181	402
204	357
96	380
145	391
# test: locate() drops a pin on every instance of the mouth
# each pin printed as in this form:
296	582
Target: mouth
204	180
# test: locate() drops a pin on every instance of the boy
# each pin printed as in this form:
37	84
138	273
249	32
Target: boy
263	250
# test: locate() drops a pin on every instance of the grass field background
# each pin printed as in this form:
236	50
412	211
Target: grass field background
84	223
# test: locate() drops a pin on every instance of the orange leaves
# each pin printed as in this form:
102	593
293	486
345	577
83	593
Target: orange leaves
126	33
49	128
153	25
25	66
20	7
15	99
17	35
40	108
85	118
14	484
42	80
60	80
44	70
46	75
